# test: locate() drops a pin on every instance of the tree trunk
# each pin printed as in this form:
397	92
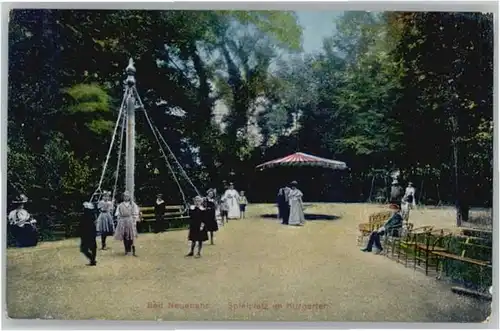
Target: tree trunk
457	182
461	200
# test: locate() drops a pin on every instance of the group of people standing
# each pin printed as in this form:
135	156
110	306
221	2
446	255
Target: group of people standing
99	220
290	205
403	200
232	204
206	210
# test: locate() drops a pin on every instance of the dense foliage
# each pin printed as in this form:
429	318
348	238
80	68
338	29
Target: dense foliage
408	91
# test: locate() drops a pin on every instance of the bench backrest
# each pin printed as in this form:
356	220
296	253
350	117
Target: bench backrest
380	217
147	210
376	220
147	213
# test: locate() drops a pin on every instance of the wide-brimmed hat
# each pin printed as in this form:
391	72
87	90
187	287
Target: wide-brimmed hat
159	195
20	199
394	182
410	184
88	205
106	193
294	183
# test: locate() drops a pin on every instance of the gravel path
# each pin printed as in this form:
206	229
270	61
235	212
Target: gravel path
258	270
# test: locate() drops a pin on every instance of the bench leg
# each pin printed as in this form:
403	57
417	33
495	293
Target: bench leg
426	262
439	267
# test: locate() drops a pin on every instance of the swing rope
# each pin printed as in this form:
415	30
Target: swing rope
118	163
110	147
153	127
165	156
180	167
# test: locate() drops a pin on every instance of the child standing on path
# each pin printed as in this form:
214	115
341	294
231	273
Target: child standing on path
243	203
197	226
224	210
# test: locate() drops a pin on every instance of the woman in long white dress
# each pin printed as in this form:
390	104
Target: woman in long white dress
408	202
231	196
296	206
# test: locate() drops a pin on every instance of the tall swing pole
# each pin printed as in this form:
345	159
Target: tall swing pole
130	142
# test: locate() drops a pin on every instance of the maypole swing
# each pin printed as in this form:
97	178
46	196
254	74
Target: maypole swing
131	102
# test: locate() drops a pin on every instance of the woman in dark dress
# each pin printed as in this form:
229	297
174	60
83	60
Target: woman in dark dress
211	217
197	228
22	224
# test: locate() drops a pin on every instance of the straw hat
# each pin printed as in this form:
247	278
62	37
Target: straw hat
88	205
394	182
21	199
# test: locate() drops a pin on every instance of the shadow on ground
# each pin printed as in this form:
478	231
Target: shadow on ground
309	217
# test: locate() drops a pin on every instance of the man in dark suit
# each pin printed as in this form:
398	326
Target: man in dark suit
397	194
392	226
283	205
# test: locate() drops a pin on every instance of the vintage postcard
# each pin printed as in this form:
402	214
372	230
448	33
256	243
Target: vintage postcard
217	165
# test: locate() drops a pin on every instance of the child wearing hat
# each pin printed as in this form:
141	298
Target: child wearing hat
88	233
22	225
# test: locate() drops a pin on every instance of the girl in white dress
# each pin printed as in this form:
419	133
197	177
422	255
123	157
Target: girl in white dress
128	214
105	224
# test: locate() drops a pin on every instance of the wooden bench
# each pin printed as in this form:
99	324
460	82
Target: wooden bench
402	245
477	233
445	254
375	221
172	213
423	252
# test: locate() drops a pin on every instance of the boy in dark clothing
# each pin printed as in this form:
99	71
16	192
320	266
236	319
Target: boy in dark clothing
392	226
88	233
159	213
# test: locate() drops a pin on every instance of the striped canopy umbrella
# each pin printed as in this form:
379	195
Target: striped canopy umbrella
303	159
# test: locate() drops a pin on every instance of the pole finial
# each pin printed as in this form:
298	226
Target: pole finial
130	68
130	72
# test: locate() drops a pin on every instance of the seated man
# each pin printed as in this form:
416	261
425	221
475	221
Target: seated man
392	226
